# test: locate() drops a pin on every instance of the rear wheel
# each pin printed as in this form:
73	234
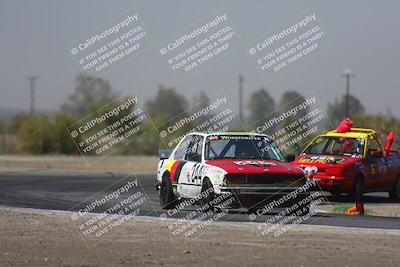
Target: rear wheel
167	197
395	193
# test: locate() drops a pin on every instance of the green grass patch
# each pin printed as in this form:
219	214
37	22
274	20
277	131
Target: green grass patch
342	209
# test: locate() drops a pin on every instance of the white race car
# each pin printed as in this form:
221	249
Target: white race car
248	166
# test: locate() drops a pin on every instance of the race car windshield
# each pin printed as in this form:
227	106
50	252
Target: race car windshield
327	145
241	147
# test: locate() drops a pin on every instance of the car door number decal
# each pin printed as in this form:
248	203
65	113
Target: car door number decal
195	176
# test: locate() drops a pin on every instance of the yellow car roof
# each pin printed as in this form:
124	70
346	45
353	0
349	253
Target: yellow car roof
355	133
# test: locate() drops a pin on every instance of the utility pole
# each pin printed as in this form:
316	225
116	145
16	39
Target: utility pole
3	133
32	80
347	74
241	80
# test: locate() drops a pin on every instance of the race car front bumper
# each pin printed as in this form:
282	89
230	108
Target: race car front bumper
251	195
332	183
258	189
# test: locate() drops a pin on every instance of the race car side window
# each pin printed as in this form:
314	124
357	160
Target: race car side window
373	147
199	148
193	152
182	148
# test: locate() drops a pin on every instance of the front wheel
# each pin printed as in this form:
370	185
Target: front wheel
358	189
167	197
395	193
207	190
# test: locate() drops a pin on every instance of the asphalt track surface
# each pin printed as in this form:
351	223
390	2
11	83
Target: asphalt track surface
69	190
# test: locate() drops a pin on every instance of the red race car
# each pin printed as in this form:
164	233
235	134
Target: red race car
352	161
248	166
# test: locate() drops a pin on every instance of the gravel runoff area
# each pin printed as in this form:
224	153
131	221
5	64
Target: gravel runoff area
47	238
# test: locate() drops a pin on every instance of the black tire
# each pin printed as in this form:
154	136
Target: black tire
358	189
206	201
395	193
167	197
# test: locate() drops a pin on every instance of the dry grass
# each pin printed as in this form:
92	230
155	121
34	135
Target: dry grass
113	163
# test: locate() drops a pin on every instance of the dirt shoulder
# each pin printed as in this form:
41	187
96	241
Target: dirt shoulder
63	162
48	238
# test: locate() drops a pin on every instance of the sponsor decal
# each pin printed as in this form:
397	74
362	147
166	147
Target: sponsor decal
254	162
321	159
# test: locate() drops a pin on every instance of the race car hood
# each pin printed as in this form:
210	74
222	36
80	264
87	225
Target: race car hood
237	166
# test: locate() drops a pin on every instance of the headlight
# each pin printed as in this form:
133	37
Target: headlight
224	181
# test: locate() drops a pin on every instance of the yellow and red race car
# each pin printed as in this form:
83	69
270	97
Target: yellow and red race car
352	162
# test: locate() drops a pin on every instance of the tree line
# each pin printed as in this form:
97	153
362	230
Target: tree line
47	134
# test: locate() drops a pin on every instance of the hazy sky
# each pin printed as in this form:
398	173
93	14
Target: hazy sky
365	36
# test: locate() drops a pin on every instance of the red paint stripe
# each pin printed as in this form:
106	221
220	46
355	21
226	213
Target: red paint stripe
173	170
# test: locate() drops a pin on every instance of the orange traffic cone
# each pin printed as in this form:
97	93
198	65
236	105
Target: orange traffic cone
352	210
358	208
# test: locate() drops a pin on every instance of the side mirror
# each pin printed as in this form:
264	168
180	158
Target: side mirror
290	157
193	157
164	153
